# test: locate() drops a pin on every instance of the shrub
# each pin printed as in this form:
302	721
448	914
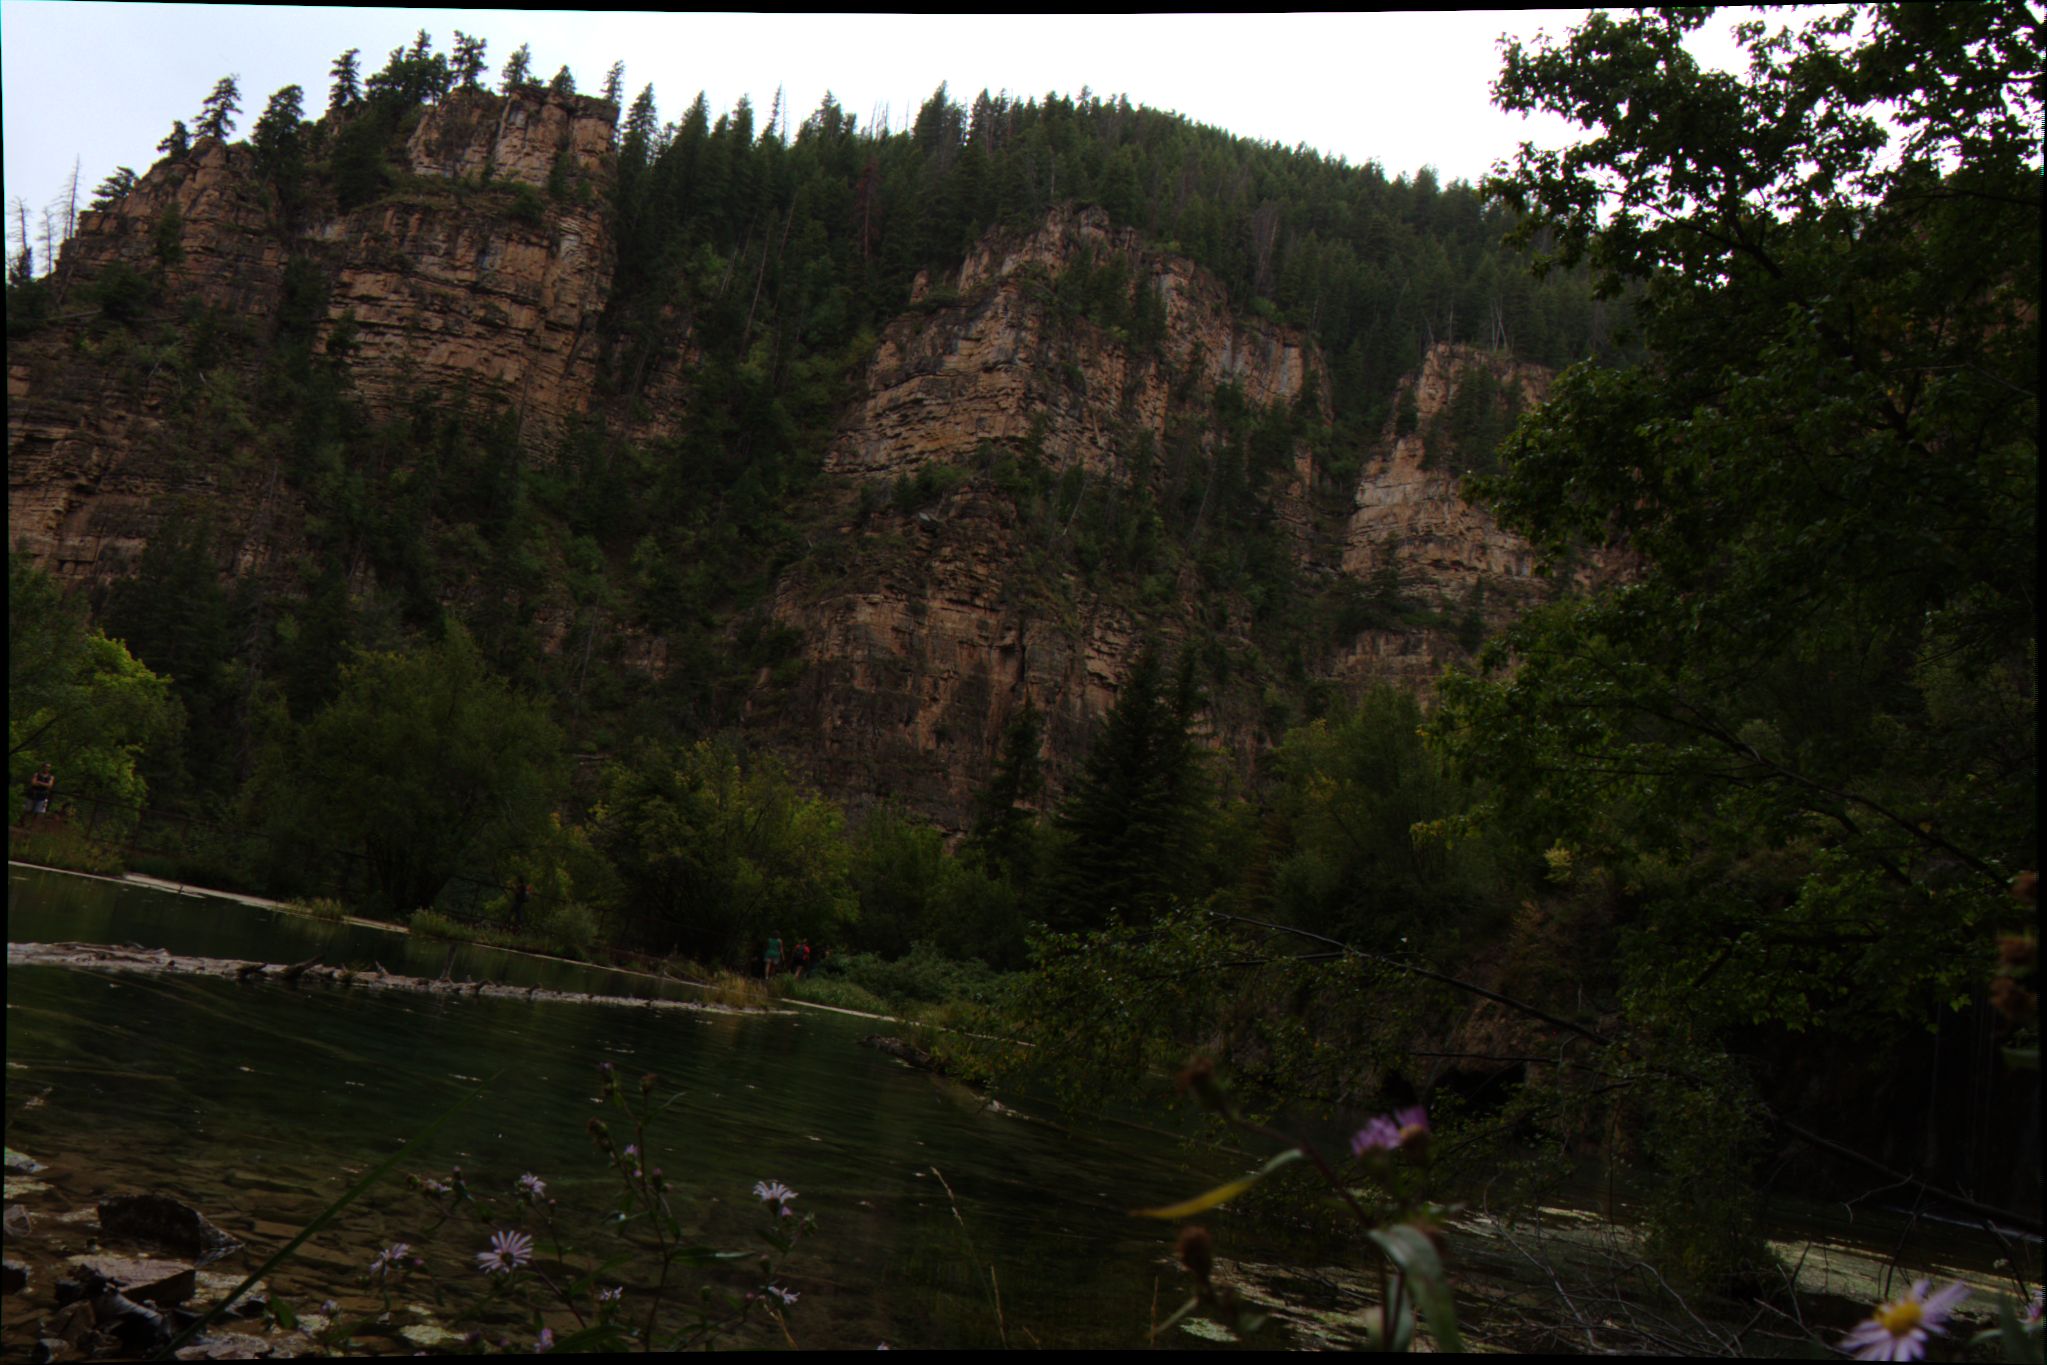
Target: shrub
319	907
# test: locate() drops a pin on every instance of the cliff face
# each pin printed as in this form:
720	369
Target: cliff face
929	606
471	279
933	629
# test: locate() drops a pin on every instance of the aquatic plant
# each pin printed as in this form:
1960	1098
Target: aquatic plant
1405	1236
530	1266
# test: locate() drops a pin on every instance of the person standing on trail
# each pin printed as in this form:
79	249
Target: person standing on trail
41	783
772	958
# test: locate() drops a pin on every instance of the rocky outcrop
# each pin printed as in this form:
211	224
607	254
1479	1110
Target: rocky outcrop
483	275
991	356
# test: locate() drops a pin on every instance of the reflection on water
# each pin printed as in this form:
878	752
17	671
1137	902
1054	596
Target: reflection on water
260	1104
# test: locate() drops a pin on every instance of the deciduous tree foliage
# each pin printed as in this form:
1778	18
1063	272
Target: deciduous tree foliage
78	700
1799	736
423	765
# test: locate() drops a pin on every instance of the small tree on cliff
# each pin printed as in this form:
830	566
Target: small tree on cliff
614	83
113	189
217	114
469	61
517	67
564	82
277	140
347	88
177	142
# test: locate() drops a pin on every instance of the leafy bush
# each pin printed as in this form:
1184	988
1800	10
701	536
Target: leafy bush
839	992
65	848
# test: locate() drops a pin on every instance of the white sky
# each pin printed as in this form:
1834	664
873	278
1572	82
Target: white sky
102	82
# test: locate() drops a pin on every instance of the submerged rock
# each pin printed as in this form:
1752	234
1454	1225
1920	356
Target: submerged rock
162	1283
904	1051
163	1221
19	1164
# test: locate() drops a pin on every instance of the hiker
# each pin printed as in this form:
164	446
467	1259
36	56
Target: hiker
41	783
801	958
772	959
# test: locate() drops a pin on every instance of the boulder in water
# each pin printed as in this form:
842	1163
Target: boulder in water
164	1222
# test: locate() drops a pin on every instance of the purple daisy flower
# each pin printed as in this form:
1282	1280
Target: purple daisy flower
787	1296
776	1193
532	1186
1898	1330
508	1251
545	1342
389	1259
1412	1121
1379	1135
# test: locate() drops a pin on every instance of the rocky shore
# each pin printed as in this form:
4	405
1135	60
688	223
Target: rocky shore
312	972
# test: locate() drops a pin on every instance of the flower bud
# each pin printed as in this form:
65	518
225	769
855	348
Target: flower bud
1196	1251
1199	1077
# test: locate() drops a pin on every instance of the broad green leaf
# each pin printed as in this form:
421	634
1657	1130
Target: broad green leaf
1410	1249
1221	1194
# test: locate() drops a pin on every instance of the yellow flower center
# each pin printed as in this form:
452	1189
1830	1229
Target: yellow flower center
1900	1317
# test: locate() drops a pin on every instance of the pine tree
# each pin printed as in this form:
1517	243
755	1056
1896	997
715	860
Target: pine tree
347	88
564	83
516	68
1133	818
469	60
280	144
614	83
217	114
177	142
1004	813
113	189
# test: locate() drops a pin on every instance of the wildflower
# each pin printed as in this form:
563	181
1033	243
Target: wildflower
776	1193
1898	1330
329	1307
1379	1135
1407	1127
2032	1316
532	1186
611	1295
508	1251
545	1342
787	1296
389	1259
436	1188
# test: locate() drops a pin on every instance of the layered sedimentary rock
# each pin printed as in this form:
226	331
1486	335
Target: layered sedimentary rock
916	655
471	279
923	623
988	357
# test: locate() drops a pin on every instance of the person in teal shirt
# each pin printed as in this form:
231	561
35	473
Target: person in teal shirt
773	956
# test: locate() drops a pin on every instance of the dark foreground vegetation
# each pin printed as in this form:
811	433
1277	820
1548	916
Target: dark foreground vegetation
1737	855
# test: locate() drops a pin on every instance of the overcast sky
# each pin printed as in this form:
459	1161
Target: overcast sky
101	83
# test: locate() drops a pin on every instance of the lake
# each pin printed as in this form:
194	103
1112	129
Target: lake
259	1104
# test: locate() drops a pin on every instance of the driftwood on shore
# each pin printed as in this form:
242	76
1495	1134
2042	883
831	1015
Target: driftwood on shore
106	957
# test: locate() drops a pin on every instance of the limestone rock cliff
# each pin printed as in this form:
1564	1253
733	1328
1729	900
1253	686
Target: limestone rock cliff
921	643
470	279
924	620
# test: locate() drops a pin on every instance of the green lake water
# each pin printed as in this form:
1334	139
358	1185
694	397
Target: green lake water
260	1104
